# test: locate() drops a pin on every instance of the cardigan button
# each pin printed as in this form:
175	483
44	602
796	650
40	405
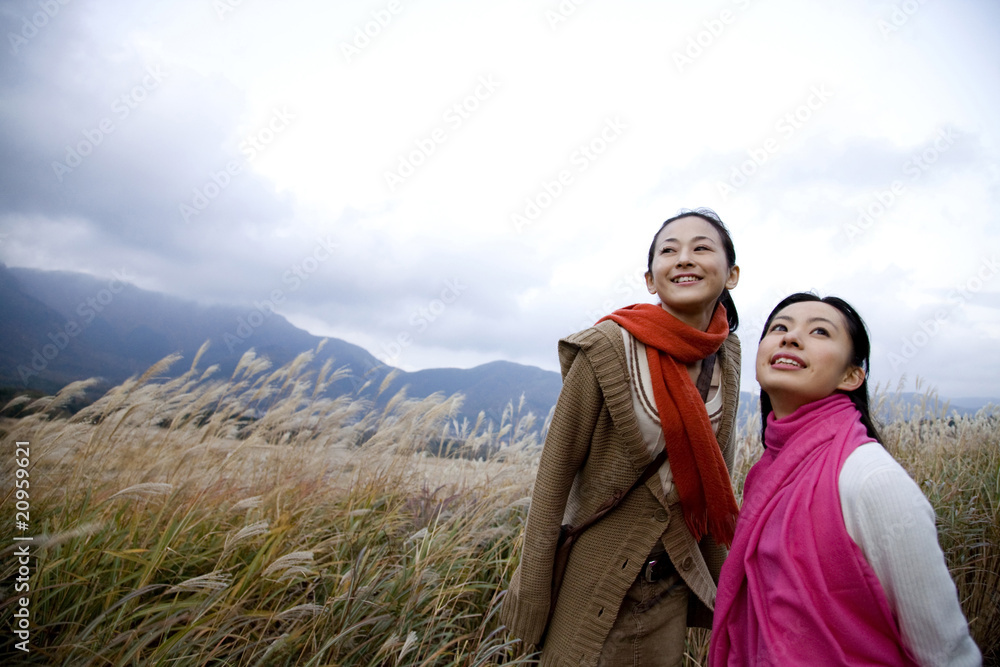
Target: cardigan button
661	515
687	563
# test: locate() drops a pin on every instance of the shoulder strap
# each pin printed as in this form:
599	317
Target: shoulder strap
704	382
616	499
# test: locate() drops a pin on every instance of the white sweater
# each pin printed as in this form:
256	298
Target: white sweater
892	522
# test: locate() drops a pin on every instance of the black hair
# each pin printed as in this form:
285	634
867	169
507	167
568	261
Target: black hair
860	354
712	218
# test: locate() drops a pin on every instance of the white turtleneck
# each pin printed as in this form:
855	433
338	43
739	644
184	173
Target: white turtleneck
889	518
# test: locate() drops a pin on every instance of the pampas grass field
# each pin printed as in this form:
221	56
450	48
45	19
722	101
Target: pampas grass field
251	520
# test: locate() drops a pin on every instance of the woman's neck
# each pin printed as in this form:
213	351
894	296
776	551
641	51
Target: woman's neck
698	319
782	405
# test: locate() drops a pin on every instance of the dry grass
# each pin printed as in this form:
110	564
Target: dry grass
956	461
251	521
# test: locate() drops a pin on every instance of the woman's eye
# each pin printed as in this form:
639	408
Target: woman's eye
821	331
703	247
666	250
777	327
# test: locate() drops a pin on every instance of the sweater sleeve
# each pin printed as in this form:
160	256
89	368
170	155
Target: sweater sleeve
888	517
526	606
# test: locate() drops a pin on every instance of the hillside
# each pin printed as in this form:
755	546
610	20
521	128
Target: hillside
60	326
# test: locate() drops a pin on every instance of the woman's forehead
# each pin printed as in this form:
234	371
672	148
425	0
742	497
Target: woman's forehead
808	311
689	226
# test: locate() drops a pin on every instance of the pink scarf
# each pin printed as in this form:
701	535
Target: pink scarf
796	589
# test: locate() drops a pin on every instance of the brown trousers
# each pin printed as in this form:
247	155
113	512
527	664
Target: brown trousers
651	625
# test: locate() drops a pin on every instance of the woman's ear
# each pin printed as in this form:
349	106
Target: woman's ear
734	277
649	282
853	378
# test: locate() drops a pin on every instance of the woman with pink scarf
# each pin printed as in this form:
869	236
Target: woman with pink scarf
835	560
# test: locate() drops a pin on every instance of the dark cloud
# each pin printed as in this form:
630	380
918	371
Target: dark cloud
153	176
94	130
158	179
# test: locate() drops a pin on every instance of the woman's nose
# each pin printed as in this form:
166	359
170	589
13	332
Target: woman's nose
790	338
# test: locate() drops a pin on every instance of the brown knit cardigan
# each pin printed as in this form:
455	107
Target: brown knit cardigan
593	448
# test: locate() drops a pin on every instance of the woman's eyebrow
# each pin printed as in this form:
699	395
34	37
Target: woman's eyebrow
809	321
694	239
823	319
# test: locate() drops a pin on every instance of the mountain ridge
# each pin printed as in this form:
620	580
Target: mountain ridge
61	326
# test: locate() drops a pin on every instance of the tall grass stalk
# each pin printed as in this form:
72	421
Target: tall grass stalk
251	520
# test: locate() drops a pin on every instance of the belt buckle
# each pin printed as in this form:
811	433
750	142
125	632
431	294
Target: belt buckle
649	566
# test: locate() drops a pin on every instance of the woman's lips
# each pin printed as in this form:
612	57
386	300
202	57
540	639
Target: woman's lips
786	360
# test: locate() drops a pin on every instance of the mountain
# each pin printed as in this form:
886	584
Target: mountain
974	403
60	326
912	404
484	384
908	405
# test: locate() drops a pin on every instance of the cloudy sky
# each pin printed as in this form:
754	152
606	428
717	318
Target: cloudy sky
450	183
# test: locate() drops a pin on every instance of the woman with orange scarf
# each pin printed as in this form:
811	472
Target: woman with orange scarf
645	380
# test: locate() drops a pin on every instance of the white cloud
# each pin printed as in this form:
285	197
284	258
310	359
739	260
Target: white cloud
837	105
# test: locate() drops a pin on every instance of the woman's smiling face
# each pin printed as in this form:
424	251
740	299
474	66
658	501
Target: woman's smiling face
805	355
689	270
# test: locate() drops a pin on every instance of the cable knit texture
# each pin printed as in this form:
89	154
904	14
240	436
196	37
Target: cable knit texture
594	448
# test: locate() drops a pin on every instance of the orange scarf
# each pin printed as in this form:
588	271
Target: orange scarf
695	458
